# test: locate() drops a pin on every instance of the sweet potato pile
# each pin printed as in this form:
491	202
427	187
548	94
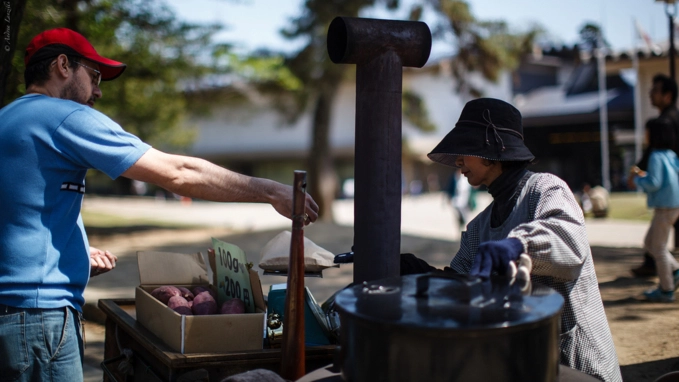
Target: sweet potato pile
198	301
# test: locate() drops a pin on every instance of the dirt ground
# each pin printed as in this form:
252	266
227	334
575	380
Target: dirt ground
646	335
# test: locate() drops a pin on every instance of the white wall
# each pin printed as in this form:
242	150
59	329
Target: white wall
257	130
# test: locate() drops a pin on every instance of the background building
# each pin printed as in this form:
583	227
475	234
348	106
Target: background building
556	91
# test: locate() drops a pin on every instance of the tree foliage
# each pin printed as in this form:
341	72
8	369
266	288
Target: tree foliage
321	79
159	51
481	46
485	47
415	110
591	36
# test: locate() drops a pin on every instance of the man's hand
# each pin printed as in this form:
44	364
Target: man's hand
495	256
101	261
283	205
310	210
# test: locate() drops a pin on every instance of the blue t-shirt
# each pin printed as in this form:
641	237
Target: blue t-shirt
661	182
46	147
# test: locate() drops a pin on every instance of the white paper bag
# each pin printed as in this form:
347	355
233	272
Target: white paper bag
276	255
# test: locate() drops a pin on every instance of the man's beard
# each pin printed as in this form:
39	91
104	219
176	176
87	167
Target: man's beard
73	91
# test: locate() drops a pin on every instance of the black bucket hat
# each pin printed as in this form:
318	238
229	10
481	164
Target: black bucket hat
488	128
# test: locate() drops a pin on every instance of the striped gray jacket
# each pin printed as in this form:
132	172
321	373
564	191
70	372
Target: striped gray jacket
550	225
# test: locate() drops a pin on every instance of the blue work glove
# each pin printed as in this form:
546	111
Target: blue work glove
495	256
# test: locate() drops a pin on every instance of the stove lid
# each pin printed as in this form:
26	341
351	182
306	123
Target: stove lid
445	300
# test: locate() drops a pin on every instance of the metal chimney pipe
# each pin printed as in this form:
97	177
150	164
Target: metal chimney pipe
380	49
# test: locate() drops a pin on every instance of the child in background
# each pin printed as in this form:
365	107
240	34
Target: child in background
661	184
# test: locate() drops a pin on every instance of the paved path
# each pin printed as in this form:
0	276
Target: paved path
428	228
427	215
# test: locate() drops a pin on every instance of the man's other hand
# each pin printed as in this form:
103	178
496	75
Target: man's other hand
101	261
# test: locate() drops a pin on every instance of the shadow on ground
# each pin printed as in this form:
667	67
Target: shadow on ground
94	231
649	371
624	282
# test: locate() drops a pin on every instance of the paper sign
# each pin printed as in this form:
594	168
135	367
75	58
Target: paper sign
232	275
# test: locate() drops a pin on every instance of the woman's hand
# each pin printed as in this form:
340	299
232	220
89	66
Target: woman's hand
633	173
495	256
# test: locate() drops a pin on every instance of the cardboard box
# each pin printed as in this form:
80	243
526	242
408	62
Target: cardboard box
193	334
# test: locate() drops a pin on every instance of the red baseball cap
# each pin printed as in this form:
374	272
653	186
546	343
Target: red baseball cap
58	41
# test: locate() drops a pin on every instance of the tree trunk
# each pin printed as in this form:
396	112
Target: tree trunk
11	13
322	177
72	19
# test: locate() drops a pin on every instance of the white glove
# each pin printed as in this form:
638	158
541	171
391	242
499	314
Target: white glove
522	270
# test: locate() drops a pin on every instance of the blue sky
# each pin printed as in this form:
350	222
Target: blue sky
255	24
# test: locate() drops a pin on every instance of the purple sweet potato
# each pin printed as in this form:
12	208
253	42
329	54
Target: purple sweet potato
204	304
185	293
179	305
196	291
164	293
233	306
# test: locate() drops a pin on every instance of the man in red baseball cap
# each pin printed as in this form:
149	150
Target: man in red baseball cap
64	49
52	43
49	138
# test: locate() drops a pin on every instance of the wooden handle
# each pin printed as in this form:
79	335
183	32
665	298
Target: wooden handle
292	347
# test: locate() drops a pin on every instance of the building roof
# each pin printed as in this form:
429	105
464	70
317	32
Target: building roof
577	100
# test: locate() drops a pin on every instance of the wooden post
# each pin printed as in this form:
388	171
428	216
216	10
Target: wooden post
292	347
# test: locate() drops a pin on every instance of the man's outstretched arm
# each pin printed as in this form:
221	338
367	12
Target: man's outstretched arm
198	178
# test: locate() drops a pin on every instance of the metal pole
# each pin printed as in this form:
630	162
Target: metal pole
638	123
670	16
380	49
603	115
377	203
671	11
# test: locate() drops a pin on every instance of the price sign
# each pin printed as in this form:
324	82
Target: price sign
233	278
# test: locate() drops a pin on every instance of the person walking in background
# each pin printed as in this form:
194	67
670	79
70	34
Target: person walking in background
598	195
594	200
661	183
49	138
663	97
462	198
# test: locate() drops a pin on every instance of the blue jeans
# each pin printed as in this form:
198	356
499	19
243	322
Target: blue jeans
40	344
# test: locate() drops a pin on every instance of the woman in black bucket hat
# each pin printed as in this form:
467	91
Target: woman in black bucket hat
534	214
